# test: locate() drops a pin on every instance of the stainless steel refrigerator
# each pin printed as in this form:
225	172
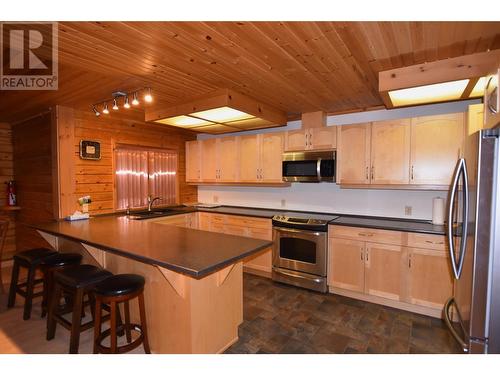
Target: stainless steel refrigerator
473	312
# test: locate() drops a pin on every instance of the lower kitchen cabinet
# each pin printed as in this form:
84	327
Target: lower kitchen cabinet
346	265
246	227
429	277
408	270
384	270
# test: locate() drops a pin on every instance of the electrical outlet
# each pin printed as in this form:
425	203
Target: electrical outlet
408	210
283	202
216	198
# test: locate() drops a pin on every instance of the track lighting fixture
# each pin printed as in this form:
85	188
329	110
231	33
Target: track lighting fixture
135	101
147	96
118	96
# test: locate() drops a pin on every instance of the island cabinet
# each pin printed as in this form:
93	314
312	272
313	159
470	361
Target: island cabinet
320	138
189	220
245	226
399	269
416	153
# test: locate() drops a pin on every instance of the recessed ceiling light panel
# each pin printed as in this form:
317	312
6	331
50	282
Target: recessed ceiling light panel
439	92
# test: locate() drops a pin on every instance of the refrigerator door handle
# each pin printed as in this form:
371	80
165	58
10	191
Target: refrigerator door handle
447	320
465	219
450	217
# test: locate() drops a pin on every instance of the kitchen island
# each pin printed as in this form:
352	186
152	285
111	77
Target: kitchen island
194	279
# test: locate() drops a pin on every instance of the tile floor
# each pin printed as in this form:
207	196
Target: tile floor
285	319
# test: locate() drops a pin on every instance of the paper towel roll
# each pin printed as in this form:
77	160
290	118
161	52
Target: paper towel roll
438	211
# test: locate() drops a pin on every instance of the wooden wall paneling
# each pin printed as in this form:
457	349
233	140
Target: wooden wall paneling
32	145
96	178
6	174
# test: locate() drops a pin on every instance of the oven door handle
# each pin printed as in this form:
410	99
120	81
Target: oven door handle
280	229
315	279
318	169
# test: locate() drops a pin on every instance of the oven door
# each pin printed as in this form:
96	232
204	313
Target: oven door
300	250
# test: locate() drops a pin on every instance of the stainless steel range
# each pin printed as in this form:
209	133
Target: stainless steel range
300	250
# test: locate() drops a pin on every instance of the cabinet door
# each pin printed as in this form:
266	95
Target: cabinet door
209	160
430	281
263	260
271	157
353	154
193	161
384	270
390	152
249	158
324	138
227	159
436	144
296	140
346	266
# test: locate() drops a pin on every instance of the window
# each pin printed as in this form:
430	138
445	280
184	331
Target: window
141	172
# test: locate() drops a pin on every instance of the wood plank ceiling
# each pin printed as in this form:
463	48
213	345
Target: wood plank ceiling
293	66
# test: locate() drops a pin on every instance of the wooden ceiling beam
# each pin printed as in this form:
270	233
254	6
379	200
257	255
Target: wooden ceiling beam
452	69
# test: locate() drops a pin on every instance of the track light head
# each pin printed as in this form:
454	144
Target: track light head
115	105
148	97
105	110
135	101
94	109
126	104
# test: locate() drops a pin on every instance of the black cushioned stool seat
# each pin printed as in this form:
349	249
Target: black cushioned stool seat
75	282
49	266
30	259
120	289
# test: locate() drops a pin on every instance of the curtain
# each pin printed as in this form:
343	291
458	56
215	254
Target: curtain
140	173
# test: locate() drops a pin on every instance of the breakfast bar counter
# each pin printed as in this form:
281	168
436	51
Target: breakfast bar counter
194	279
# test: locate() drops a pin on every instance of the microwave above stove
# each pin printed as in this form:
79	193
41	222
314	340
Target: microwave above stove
309	166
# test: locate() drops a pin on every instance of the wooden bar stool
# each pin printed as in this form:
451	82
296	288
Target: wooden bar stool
76	282
30	259
49	266
120	289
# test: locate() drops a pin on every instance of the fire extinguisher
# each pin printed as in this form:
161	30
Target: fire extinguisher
11	193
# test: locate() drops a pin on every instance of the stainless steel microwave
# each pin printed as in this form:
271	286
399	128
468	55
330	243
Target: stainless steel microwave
309	166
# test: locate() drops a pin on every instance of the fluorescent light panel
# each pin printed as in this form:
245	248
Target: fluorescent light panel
184	121
222	115
439	92
478	89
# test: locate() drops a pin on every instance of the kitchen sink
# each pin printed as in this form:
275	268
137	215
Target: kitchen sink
158	212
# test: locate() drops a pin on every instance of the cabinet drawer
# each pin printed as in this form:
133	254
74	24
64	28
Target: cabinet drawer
366	234
215	218
427	241
252	222
261	233
235	230
217	227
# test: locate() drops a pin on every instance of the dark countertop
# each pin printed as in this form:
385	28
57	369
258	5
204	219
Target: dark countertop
404	225
192	252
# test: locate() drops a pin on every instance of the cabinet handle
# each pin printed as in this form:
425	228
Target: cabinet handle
362	254
367	255
373	171
310	139
412	172
435	243
409	261
366	172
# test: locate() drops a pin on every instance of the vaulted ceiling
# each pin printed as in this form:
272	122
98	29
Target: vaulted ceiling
293	66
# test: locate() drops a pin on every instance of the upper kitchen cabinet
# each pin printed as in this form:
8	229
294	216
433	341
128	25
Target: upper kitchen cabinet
353	154
208	160
436	145
324	138
260	158
226	161
193	161
390	152
314	135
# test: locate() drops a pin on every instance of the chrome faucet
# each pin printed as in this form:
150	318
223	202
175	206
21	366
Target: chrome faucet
151	200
